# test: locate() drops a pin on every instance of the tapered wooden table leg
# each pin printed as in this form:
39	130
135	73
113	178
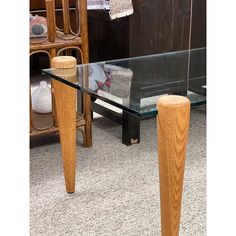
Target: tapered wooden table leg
65	98
172	132
66	114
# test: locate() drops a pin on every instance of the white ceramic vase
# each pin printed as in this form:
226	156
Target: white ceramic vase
42	98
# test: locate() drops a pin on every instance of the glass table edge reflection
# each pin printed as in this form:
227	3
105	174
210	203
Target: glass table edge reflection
136	112
89	92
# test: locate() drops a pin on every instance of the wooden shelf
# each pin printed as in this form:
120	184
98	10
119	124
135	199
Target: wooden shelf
40	44
43	123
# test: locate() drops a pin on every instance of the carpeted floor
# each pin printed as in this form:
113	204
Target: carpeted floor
117	189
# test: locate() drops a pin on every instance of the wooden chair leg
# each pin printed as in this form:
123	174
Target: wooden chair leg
87	110
172	133
88	118
53	52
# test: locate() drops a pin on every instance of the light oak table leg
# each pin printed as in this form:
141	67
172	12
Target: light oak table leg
172	132
65	98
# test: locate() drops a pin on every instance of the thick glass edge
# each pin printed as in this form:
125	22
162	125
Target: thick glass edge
77	86
49	72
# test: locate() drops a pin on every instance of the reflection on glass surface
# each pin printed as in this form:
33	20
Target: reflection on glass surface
134	84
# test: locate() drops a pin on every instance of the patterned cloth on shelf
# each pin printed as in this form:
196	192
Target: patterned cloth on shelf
120	8
117	9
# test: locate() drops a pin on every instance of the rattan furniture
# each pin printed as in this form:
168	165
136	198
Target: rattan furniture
70	39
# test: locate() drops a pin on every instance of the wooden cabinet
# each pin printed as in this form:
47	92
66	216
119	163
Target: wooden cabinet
198	33
155	26
159	26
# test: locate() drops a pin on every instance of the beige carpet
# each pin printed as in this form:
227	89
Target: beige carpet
117	190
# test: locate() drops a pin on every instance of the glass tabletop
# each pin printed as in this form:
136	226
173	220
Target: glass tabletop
134	84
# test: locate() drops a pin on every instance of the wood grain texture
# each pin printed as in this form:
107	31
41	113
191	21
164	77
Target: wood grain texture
66	112
50	9
39	5
172	132
109	38
66	16
198	35
159	26
156	26
65	97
